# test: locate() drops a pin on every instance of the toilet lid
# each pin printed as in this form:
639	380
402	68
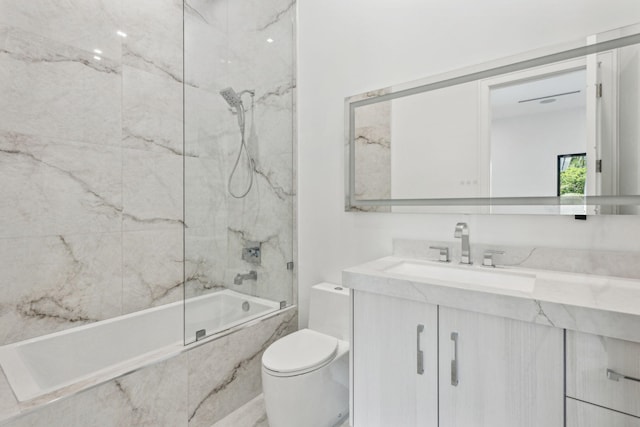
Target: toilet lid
301	350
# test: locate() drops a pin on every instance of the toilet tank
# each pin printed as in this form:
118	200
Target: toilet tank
329	310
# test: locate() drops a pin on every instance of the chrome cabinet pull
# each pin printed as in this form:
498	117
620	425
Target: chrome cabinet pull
614	376
420	353
454	362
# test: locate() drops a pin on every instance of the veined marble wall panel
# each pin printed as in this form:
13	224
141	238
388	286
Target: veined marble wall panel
205	261
373	153
152	268
153	396
252	24
198	387
83	24
152	189
226	373
54	90
50	283
54	186
254	49
154	31
151	112
206	44
91	152
206	249
205	130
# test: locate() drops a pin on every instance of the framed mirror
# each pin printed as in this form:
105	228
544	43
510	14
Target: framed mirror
554	131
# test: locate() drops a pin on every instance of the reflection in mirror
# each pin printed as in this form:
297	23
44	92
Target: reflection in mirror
490	140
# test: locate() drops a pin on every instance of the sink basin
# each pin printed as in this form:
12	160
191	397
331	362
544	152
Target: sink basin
468	275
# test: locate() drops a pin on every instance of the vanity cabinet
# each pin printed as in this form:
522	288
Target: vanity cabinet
499	372
509	373
582	414
394	351
605	372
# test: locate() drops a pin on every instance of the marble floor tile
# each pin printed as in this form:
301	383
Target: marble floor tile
252	414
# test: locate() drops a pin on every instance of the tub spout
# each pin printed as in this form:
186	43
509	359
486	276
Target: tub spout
252	275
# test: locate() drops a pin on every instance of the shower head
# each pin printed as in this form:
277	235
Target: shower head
231	97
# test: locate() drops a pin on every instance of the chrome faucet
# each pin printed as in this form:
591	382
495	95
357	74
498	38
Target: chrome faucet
462	232
252	275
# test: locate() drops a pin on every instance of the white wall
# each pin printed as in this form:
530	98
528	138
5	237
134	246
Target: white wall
348	47
629	124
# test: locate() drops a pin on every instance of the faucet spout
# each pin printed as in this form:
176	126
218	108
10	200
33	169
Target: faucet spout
462	233
252	275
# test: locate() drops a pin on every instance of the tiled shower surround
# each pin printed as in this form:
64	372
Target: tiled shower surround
114	141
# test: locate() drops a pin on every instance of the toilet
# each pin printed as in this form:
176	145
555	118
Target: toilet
305	375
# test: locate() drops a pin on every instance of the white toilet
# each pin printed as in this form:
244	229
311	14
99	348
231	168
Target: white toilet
305	375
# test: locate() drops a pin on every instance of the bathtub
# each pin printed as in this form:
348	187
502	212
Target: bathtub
94	353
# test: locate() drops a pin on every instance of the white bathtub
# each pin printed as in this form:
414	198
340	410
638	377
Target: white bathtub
97	352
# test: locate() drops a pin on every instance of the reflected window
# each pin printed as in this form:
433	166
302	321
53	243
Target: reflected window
572	174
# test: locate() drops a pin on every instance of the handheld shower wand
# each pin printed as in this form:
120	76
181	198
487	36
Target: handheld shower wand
235	102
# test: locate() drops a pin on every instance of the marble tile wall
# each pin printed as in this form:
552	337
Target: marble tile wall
199	387
92	155
91	161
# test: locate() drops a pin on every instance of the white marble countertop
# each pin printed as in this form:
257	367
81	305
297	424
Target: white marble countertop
604	305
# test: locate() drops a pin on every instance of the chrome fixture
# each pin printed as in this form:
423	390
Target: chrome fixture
462	232
444	253
252	253
252	275
487	259
235	102
454	361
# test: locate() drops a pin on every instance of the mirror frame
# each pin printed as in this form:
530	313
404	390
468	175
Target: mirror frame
609	40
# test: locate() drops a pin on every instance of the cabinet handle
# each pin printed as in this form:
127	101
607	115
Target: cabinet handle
454	362
614	376
420	353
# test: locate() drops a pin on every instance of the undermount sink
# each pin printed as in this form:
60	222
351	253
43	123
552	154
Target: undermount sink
467	275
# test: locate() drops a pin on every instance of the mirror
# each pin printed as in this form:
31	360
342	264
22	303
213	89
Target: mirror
553	131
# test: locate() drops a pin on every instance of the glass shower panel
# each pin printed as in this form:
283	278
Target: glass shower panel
239	91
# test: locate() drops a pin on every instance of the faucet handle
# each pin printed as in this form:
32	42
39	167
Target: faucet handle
444	252
487	260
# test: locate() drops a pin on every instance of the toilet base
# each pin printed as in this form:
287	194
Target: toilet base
315	399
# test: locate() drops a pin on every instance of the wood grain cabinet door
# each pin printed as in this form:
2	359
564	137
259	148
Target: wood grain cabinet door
394	362
498	372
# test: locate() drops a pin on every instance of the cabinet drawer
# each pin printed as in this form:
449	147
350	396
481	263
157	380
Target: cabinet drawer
581	414
604	371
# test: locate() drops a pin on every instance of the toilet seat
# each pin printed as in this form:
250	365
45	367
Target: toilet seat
300	352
